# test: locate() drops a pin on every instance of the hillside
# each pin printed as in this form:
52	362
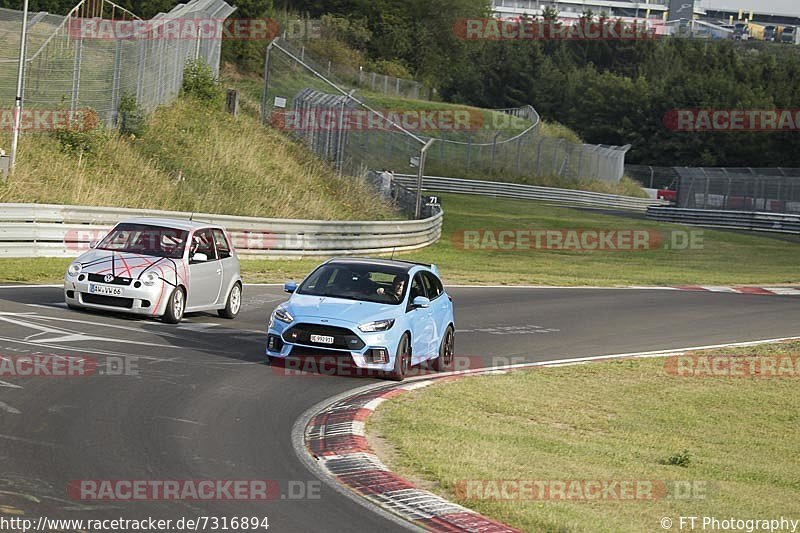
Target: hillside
190	157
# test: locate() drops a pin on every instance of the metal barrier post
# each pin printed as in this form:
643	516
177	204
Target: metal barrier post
421	172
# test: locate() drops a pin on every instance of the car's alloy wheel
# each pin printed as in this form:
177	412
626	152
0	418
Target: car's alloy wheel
175	306
402	360
446	351
234	303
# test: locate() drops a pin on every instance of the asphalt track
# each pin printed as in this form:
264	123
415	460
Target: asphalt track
198	402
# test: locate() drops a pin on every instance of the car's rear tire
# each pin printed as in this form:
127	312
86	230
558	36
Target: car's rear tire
402	359
234	303
175	306
444	362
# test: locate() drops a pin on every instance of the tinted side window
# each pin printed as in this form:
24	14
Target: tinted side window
223	248
433	285
417	288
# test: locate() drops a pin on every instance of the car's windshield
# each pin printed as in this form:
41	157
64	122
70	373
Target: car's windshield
368	283
146	239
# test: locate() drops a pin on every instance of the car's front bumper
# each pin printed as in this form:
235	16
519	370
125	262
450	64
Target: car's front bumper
279	347
144	300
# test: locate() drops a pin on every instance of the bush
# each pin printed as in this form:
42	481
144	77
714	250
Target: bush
678	459
130	116
199	81
81	135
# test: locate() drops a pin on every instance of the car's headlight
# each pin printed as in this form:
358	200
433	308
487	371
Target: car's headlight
283	315
378	325
74	269
150	279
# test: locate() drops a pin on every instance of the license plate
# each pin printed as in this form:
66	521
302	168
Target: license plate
105	289
322	339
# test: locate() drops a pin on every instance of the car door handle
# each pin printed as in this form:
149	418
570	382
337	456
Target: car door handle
219	271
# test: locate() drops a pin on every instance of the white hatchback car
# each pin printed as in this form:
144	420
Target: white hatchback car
158	267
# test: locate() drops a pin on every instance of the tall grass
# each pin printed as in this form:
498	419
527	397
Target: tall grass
192	157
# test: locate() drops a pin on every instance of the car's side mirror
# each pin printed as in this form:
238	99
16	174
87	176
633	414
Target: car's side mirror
421	301
93	244
290	287
199	257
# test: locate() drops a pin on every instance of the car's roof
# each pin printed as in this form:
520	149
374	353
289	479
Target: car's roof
367	261
176	223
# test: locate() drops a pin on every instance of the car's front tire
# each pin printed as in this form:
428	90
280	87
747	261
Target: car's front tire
444	362
234	303
402	359
175	306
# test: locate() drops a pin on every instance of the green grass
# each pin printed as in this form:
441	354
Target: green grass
192	157
726	258
736	439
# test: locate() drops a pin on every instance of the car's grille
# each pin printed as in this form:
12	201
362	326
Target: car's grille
101	278
111	301
306	351
343	338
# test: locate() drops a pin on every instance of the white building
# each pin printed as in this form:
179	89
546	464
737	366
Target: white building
787	11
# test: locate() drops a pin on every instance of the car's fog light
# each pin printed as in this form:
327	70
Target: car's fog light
274	343
378	355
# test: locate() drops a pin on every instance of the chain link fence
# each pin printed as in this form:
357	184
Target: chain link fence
312	101
742	189
70	68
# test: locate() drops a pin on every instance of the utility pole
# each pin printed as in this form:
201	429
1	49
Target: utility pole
20	77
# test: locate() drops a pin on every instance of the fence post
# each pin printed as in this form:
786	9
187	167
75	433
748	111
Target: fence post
421	172
266	82
141	71
539	157
494	149
555	157
76	75
115	96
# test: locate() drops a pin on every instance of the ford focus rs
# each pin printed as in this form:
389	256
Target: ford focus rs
383	315
158	267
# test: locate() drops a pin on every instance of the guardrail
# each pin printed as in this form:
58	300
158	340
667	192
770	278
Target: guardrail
747	220
42	230
568	197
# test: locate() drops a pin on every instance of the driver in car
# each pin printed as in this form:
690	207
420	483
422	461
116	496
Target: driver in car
397	288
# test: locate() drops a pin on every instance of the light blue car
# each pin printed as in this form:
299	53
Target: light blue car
383	315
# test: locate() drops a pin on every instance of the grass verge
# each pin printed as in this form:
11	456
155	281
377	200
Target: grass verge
725	257
191	157
734	441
